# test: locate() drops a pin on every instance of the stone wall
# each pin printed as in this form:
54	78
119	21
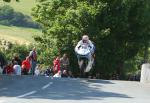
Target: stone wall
145	73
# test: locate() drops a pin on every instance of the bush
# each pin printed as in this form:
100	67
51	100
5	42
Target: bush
6	13
8	50
46	54
5	22
2	59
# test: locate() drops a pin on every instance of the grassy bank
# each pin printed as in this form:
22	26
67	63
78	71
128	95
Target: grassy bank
18	34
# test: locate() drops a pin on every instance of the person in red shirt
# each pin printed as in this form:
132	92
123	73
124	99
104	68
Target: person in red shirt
26	66
8	69
56	64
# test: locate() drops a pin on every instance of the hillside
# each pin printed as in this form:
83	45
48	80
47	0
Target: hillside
23	6
18	34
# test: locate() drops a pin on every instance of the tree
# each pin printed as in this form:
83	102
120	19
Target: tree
2	59
117	27
6	12
66	25
10	0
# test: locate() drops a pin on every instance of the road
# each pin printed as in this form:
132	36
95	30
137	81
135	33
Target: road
32	89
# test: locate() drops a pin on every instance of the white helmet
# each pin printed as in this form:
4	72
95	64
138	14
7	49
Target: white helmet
85	38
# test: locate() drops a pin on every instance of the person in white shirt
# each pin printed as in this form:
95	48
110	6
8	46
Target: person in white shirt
17	68
37	70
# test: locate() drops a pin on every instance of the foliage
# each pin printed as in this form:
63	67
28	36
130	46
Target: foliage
2	59
47	54
21	50
9	17
119	28
10	0
8	49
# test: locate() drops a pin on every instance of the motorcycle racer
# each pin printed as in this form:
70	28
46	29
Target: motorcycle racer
85	42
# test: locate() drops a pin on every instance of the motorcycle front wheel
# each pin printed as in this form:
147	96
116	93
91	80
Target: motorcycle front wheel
82	69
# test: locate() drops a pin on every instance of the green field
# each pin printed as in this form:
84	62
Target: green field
18	34
23	6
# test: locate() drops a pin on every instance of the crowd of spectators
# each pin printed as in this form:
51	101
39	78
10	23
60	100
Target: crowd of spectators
29	66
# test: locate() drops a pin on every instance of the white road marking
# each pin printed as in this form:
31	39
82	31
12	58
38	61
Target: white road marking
47	85
3	89
27	94
33	92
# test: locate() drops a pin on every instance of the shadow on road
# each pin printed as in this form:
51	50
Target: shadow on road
61	89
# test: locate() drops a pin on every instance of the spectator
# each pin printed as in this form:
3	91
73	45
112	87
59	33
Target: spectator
37	70
64	74
16	59
64	61
70	74
115	76
56	64
49	72
33	56
17	68
58	74
26	66
8	69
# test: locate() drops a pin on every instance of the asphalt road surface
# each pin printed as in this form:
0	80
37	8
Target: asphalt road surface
32	89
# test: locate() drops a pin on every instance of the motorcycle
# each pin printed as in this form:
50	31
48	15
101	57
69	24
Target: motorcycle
85	64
